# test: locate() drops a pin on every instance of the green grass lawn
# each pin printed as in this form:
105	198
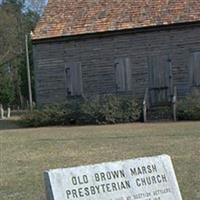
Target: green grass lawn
26	153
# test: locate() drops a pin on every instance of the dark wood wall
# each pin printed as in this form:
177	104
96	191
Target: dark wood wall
97	56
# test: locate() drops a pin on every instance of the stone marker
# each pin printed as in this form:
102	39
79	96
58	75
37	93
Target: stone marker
150	178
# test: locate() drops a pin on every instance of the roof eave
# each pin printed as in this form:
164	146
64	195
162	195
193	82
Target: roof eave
116	32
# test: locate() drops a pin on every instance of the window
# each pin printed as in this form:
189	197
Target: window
123	74
195	69
73	77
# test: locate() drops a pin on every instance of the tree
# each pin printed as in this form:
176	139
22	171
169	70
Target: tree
17	18
10	20
7	89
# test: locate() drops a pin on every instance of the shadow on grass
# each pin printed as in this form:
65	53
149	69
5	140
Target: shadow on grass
7	124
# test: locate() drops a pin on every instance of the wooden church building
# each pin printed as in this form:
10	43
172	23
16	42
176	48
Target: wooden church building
125	47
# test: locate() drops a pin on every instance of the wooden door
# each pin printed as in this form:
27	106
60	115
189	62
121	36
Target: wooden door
160	79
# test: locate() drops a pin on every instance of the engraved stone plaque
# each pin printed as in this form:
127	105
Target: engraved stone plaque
150	178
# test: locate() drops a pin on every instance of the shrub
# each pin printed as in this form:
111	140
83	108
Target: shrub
111	109
121	109
189	107
48	116
106	109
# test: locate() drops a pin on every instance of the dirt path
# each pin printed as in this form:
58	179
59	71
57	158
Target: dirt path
8	124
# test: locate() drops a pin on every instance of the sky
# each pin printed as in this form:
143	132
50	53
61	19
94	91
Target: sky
26	1
28	4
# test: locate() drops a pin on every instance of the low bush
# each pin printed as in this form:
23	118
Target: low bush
189	107
48	116
106	109
110	109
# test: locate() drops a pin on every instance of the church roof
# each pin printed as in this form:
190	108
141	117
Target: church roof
75	17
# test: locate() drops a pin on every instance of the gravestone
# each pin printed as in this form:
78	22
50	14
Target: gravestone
1	112
8	112
151	178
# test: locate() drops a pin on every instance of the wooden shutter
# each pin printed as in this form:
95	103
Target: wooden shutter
119	75
68	80
127	74
74	79
195	69
123	74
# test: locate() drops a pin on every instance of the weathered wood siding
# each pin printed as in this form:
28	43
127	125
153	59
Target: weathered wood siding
97	56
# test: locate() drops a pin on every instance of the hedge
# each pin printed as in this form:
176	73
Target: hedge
107	109
189	107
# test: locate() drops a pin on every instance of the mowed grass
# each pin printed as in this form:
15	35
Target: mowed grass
26	153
